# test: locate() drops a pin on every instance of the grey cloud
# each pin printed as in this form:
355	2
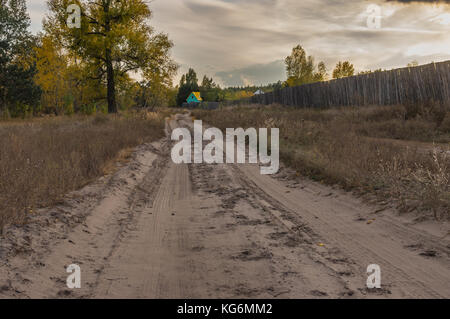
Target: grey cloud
257	74
419	1
236	37
210	10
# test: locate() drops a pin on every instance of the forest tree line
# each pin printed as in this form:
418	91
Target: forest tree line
300	69
113	61
63	70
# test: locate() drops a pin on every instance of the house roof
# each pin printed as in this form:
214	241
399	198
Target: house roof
197	95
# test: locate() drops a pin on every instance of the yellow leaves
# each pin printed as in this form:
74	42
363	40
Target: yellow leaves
343	69
291	82
112	33
245	94
238	95
51	65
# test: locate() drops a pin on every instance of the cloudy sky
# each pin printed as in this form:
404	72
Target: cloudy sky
240	42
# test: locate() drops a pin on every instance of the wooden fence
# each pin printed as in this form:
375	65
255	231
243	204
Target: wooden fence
424	83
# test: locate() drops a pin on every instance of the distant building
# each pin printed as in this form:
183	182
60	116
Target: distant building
194	97
259	92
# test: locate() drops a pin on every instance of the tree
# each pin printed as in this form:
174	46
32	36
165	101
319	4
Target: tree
343	69
17	89
192	80
370	71
65	80
182	80
151	95
188	84
210	91
14	23
208	83
321	74
300	68
52	74
114	39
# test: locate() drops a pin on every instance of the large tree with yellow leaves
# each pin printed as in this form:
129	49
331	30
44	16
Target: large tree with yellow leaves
114	39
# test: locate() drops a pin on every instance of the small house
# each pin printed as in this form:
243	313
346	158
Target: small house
259	92
194	97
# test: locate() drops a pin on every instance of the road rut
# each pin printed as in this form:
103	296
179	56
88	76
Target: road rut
155	229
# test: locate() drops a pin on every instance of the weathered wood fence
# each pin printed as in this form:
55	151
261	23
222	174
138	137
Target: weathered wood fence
424	83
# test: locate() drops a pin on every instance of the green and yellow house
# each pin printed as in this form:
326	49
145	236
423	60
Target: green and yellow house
194	97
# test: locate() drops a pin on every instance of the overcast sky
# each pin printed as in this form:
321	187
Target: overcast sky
245	41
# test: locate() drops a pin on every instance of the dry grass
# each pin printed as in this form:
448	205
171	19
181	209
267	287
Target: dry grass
43	159
354	147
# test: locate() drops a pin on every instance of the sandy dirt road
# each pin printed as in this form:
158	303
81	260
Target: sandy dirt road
159	230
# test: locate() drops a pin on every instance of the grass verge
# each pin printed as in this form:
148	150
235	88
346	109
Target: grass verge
43	159
371	149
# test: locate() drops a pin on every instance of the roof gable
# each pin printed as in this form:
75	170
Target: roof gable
195	96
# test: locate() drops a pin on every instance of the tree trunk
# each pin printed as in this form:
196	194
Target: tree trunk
111	87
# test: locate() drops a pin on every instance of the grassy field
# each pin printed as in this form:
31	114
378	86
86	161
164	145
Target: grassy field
383	151
44	158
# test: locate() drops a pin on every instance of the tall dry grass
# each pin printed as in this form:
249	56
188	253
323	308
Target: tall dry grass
361	149
43	159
